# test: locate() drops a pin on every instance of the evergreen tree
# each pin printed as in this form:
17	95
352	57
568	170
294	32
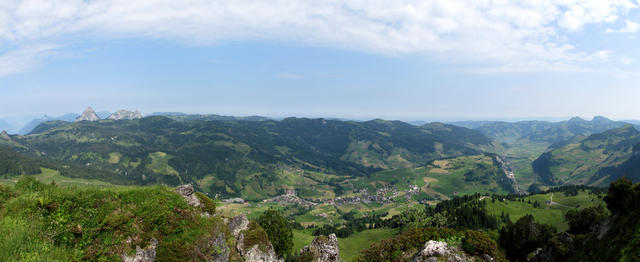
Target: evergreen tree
279	231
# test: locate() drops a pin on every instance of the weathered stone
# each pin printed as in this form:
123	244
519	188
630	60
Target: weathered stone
125	114
220	249
147	254
435	249
324	249
186	191
237	224
255	254
88	115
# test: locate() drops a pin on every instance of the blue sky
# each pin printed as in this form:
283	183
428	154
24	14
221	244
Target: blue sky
409	60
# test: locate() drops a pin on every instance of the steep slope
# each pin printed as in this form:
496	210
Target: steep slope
254	157
44	126
581	162
33	124
629	169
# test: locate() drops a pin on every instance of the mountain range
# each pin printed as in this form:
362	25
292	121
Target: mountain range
255	156
542	131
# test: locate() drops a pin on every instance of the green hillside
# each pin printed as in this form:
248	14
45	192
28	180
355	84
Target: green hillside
41	222
544	131
253	159
586	161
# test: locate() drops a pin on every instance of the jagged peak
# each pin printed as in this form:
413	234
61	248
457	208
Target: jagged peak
88	115
125	114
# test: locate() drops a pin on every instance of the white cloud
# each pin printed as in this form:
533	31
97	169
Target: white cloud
23	59
630	27
526	35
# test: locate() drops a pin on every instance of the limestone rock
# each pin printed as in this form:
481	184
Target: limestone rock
237	224
125	114
186	191
433	250
88	115
4	135
221	250
255	254
324	249
147	254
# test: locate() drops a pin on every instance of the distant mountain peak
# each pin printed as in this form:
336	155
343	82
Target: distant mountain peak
4	135
576	119
125	114
88	115
600	119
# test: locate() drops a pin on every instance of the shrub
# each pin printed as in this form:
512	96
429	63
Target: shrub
206	204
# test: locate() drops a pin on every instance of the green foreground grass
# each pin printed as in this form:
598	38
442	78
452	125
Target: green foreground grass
550	214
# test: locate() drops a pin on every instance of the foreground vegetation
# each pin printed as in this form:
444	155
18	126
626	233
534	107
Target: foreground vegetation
44	222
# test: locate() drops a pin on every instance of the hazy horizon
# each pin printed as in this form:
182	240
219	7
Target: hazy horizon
406	60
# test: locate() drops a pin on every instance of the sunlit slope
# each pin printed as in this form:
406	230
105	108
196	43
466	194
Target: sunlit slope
254	159
588	161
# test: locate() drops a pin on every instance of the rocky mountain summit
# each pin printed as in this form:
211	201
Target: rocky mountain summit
4	135
125	115
88	115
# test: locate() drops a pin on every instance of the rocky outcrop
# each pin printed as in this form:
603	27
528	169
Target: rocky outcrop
323	249
4	135
125	115
147	254
88	115
440	251
186	191
256	254
252	243
237	224
221	250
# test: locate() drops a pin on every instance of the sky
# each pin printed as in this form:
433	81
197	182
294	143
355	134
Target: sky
399	59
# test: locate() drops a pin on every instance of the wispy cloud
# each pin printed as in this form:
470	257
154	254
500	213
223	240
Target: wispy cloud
24	59
527	35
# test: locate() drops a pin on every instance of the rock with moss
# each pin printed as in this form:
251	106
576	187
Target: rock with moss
187	192
237	224
252	242
221	250
440	251
322	249
147	254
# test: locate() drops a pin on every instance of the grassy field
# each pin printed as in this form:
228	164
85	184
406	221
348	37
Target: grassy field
349	247
442	179
552	214
48	176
